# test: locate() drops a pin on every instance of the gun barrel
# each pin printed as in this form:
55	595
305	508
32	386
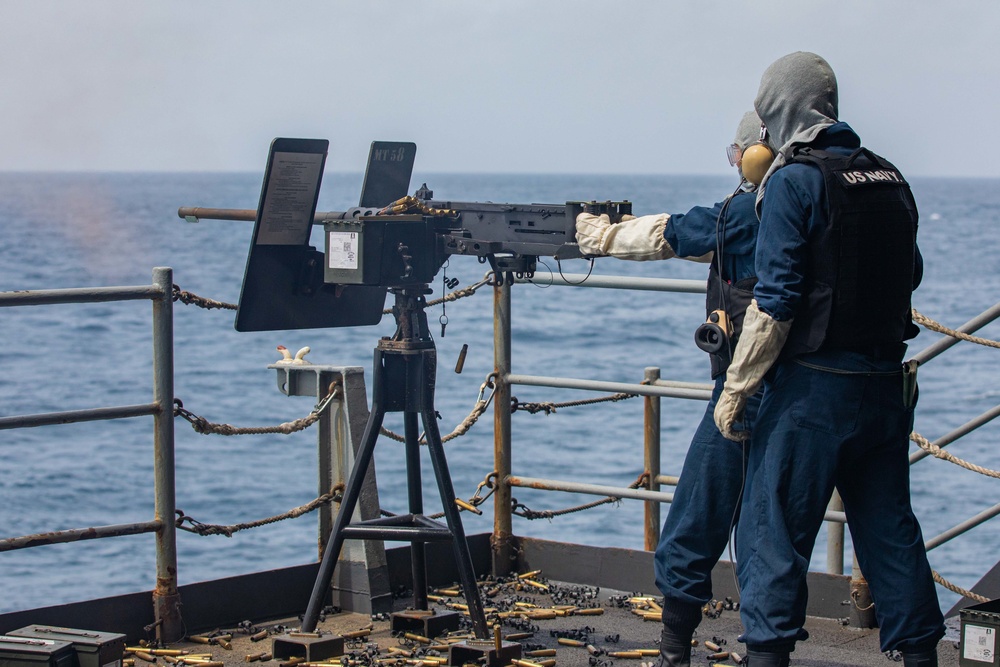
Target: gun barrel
193	214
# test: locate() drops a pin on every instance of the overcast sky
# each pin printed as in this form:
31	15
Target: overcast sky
583	86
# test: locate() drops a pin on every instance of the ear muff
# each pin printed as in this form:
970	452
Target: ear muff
757	159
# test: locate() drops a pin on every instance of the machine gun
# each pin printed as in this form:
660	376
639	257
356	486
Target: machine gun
390	240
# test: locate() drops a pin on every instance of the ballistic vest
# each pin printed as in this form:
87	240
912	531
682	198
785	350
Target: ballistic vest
736	297
861	264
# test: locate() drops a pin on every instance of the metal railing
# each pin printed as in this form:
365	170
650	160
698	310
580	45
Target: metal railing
166	600
653	389
165	596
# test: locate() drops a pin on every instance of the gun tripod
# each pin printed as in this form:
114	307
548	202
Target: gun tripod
403	381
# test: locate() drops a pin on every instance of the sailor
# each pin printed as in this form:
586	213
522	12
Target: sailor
707	497
836	263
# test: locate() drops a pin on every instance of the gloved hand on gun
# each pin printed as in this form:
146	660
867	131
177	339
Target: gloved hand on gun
638	239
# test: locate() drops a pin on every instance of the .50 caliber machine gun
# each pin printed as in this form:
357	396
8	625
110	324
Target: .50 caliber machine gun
389	242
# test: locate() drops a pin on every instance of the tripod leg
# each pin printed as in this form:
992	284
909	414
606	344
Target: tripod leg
351	493
418	556
462	555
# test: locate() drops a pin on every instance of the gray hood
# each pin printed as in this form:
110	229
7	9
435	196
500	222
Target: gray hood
748	131
797	99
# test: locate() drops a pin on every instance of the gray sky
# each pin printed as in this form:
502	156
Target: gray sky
583	86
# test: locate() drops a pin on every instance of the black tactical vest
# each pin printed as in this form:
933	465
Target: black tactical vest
861	265
736	297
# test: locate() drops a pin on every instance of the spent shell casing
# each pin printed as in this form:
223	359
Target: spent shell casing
417	638
531	582
736	657
721	655
589	611
468	507
649	651
526	575
525	663
515	636
625	654
541	653
355	634
144	655
566	641
258	636
198	639
712	646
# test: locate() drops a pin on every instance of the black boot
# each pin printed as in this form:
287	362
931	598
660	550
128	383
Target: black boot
920	658
766	659
675	647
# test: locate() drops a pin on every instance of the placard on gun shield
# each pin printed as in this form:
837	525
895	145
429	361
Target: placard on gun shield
283	284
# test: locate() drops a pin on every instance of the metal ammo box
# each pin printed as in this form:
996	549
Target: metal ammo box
93	649
980	625
34	652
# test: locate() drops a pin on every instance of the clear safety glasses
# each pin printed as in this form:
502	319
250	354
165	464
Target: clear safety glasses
734	153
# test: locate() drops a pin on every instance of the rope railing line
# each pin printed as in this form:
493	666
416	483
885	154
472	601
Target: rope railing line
937	452
191	299
334	495
940	328
957	589
205	427
523	511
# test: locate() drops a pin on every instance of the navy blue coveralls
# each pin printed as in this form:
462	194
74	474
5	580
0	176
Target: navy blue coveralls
817	428
707	496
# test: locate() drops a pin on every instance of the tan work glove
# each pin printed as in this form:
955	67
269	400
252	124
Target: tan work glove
759	346
637	239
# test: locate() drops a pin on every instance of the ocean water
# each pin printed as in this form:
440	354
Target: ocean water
82	230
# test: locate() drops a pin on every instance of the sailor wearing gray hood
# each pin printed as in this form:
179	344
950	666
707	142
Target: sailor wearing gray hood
836	263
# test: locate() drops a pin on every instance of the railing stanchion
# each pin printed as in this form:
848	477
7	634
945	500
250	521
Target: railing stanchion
166	599
835	538
651	455
503	551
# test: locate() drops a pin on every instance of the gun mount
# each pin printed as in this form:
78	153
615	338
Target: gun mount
390	242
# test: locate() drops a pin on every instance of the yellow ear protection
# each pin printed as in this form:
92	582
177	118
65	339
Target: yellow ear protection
757	159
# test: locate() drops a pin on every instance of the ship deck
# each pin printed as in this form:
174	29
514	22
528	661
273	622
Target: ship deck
617	629
614	580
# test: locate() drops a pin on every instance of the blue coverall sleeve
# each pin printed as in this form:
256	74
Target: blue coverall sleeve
693	234
789	212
